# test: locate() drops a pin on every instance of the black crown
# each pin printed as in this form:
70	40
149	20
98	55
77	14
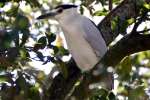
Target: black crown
66	6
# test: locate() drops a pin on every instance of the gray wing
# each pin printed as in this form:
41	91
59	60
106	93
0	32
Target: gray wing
94	37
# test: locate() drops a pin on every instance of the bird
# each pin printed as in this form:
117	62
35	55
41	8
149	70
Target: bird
84	40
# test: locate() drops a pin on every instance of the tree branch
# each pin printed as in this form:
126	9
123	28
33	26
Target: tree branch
62	86
126	10
129	44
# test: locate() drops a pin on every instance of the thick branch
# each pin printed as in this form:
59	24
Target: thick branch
126	10
62	86
129	44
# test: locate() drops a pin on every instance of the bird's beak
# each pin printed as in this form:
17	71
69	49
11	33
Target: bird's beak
48	15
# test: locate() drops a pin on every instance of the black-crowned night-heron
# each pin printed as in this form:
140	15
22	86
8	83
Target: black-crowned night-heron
83	38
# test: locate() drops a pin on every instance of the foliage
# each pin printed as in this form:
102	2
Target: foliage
23	39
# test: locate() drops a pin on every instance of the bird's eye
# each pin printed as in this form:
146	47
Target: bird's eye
60	10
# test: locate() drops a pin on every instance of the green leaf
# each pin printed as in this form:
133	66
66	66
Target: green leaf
147	6
63	51
126	64
41	43
56	49
103	12
51	38
23	54
6	40
25	37
140	3
114	23
40	56
21	22
81	9
13	11
21	81
42	40
5	78
125	68
2	4
130	21
116	1
136	93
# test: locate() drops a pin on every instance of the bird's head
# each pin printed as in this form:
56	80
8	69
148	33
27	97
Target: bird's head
60	11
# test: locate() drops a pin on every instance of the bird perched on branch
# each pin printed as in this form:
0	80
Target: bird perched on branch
83	38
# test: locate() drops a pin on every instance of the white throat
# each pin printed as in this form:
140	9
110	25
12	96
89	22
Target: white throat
67	14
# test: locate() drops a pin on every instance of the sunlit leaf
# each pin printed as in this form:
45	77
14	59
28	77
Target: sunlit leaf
130	21
147	6
114	23
103	12
116	1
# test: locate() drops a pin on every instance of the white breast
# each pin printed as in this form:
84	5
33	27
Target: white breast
81	49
